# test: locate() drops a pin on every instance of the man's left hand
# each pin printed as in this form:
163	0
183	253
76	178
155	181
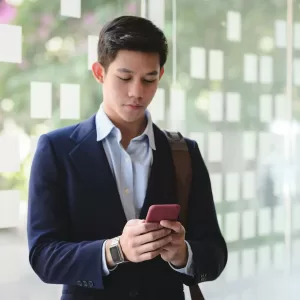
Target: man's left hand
176	251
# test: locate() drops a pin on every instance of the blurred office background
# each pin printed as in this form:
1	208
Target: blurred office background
232	82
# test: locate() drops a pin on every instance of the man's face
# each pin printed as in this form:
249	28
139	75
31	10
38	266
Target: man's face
129	84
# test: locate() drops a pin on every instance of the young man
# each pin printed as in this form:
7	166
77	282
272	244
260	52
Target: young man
92	183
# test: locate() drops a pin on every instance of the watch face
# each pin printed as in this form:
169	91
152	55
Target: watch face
116	255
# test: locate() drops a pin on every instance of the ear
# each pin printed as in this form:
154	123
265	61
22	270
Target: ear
161	73
98	71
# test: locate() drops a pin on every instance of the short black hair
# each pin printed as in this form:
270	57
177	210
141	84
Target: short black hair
130	33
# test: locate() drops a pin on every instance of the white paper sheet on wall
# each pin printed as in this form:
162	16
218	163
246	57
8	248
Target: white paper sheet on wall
232	226
9	218
92	50
280	33
266	69
233	110
9	153
234	26
296	71
70	101
296	36
248	228
156	12
249	186
11	43
233	266
279	219
264	221
280	108
216	106
249	145
33	144
217	186
198	63
215	147
199	138
41	100
177	104
265	146
233	184
157	106
70	8
216	65
265	108
250	68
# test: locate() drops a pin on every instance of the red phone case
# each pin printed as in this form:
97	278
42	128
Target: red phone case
157	213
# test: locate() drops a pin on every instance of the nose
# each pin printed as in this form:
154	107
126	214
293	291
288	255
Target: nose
135	90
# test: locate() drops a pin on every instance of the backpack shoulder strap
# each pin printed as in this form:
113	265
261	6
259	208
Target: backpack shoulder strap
183	169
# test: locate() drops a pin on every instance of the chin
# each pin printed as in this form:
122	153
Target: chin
132	118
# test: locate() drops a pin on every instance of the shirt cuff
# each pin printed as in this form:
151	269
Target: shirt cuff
188	269
106	270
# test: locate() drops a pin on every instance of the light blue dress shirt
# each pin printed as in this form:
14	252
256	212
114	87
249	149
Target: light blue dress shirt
131	169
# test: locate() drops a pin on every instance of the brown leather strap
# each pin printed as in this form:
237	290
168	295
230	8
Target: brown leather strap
196	293
183	170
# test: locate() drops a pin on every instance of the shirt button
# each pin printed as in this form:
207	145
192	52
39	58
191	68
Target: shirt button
126	191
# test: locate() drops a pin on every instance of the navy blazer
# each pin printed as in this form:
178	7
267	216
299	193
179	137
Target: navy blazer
74	205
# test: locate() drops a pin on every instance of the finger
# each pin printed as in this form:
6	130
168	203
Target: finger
166	255
176	226
145	227
153	246
177	239
152	236
170	247
149	255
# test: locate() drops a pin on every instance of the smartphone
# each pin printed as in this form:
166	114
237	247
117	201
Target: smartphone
159	212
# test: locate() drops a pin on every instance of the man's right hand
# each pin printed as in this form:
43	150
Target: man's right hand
142	241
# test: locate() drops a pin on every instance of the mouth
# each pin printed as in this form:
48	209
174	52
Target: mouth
134	106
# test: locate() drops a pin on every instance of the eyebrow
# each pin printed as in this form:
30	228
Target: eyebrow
124	70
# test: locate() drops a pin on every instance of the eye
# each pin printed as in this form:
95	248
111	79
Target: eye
124	79
149	81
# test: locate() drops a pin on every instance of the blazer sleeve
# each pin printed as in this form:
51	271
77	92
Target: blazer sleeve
53	257
202	231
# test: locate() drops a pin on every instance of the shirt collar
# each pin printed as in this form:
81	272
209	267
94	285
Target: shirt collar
105	127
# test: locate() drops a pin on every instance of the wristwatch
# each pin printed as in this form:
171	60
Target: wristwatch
116	251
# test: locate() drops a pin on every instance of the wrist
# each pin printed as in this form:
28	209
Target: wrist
182	259
109	261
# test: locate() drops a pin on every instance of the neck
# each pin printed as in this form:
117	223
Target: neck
129	130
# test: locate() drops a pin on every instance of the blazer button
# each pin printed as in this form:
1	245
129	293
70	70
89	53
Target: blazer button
133	294
85	284
203	277
91	284
79	283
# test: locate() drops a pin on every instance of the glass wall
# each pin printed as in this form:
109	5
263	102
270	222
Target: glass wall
232	83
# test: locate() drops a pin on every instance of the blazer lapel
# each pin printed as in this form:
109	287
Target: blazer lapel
91	162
